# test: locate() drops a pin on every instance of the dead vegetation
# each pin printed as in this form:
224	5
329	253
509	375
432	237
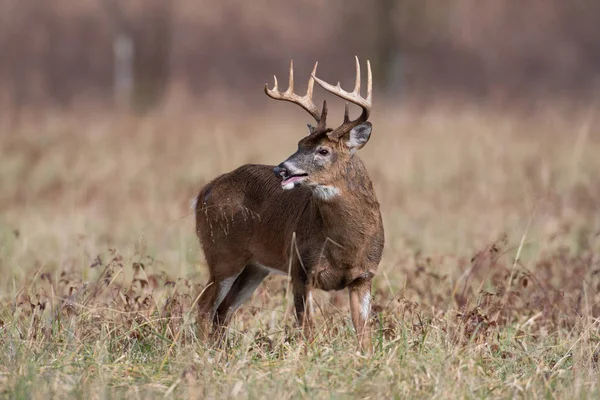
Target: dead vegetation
490	284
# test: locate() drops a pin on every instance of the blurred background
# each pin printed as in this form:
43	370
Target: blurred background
140	53
484	157
114	113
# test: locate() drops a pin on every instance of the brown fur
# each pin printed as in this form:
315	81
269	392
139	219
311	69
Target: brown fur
245	217
325	230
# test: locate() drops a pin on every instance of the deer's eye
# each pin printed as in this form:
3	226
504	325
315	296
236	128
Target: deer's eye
323	152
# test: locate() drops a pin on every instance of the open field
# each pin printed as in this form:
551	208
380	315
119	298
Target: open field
489	286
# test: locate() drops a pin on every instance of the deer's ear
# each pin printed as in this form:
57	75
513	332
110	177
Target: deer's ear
358	136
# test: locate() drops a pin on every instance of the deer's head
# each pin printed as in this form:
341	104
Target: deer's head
323	155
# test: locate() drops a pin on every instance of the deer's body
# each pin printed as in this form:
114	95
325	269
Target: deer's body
326	232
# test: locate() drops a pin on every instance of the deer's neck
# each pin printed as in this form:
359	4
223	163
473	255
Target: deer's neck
348	209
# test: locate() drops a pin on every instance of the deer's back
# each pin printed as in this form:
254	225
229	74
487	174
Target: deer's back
244	213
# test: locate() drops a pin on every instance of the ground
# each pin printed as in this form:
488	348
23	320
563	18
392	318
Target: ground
488	287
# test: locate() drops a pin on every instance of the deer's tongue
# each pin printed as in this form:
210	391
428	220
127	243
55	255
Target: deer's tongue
293	179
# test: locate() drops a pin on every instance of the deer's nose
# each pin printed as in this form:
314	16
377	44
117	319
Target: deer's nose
280	171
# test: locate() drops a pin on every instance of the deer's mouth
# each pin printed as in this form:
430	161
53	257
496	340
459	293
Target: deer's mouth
292	181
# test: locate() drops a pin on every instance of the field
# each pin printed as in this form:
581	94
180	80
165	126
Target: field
489	286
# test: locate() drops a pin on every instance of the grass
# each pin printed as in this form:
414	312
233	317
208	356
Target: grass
488	287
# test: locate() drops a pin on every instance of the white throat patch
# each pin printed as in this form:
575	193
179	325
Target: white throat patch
326	193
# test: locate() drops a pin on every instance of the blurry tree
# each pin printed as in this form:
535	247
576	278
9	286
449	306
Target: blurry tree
391	32
123	52
141	50
386	49
62	51
368	29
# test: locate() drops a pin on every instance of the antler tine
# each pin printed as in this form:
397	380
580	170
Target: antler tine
311	82
323	122
346	113
290	89
369	83
357	81
352	97
305	101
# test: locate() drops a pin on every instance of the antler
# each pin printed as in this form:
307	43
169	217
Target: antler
305	101
353	97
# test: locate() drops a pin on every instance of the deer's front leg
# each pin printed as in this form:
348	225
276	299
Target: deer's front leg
360	309
302	298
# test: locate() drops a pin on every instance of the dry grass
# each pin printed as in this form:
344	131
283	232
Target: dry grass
489	285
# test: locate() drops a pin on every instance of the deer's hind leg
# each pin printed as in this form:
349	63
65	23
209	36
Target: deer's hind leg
241	290
214	293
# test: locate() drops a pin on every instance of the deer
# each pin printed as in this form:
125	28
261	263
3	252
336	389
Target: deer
314	217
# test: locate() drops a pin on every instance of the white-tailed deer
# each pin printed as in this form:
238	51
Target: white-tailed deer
315	217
